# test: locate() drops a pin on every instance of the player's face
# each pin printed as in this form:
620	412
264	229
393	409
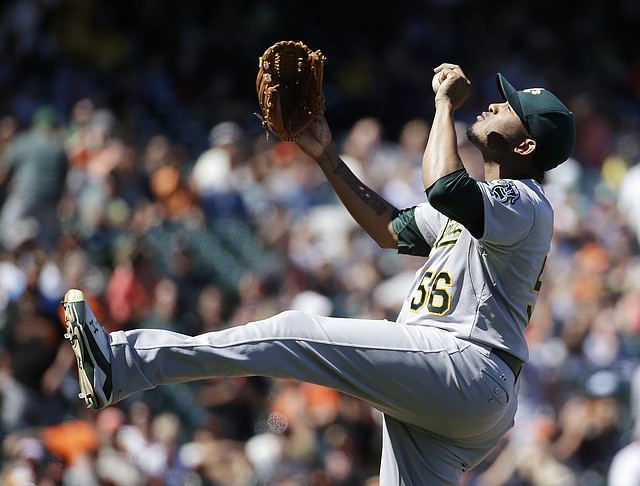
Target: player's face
499	129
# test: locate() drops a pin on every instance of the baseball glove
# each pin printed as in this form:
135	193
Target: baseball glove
289	86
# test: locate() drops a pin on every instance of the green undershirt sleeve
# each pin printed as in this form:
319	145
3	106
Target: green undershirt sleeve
458	197
410	239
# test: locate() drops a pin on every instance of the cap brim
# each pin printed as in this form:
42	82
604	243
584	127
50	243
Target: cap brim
510	94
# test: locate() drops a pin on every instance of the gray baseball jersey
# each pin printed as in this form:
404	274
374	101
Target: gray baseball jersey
485	289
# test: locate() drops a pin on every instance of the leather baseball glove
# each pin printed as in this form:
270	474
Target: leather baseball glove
289	86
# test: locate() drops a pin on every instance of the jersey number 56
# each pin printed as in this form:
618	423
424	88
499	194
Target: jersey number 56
433	292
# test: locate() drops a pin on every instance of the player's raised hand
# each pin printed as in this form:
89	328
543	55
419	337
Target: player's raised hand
454	85
316	139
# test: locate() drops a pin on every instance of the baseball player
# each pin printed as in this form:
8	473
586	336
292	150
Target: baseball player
445	374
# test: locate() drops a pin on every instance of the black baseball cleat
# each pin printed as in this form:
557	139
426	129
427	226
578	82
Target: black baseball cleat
90	343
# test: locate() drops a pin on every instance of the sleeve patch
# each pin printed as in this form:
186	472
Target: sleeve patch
505	191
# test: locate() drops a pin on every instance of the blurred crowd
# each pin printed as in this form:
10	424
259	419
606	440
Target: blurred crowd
132	167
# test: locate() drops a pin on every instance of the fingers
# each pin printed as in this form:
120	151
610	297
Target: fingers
446	69
454	85
445	66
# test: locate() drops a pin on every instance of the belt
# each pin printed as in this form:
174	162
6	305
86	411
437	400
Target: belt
510	360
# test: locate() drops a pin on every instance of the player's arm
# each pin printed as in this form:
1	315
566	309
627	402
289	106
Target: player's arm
441	154
448	186
371	211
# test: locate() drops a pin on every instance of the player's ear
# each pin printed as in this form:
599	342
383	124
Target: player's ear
526	147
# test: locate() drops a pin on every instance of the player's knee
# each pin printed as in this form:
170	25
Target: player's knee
294	315
294	318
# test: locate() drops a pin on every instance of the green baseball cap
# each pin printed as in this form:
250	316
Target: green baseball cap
546	118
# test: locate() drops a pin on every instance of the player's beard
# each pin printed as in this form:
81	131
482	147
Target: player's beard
495	141
472	136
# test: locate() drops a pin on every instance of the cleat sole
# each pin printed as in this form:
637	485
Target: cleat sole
73	335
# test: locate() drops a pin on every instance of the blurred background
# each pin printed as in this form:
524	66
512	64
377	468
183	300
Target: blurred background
132	166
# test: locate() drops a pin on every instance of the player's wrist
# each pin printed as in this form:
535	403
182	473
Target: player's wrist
328	157
444	103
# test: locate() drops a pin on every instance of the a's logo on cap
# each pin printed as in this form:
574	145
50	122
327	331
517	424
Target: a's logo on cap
533	91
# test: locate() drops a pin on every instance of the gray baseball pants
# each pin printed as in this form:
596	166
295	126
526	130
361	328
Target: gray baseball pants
447	402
